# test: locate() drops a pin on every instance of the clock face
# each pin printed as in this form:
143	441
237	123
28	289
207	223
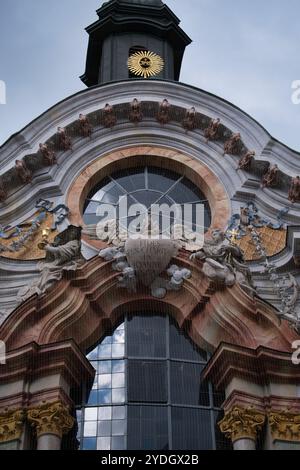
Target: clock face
145	64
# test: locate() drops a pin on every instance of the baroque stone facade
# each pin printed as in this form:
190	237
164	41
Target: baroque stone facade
236	297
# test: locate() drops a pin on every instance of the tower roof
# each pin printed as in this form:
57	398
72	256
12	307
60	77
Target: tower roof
151	17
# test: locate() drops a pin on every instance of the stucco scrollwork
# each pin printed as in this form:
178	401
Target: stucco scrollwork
285	426
53	418
242	423
11	425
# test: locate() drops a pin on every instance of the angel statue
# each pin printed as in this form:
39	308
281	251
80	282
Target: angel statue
223	262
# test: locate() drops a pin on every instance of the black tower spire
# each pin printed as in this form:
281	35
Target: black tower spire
128	26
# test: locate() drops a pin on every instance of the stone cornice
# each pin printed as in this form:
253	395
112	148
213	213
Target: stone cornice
261	366
36	361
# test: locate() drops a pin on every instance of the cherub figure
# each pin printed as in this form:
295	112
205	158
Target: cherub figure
23	172
294	192
271	177
189	122
232	145
211	133
64	140
48	155
109	117
135	115
246	160
85	126
163	116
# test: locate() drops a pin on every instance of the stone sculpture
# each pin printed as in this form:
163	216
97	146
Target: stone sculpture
212	131
294	192
85	126
270	179
189	122
23	172
246	160
62	255
223	262
48	155
109	117
163	116
64	140
233	144
135	114
3	192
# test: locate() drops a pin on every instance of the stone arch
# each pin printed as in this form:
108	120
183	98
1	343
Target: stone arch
86	304
162	157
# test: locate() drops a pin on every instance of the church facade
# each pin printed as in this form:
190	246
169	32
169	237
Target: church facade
150	344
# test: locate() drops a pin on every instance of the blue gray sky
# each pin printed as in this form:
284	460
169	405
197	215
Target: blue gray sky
244	51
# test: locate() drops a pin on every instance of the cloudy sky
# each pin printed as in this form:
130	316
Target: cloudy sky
244	51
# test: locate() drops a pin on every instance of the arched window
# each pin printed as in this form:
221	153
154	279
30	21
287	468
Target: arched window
148	393
146	186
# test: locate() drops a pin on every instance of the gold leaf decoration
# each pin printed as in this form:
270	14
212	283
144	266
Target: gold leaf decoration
145	64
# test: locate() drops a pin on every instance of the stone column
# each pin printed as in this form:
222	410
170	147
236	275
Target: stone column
11	429
284	430
51	421
241	425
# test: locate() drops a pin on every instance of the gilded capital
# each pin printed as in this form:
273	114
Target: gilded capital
285	426
242	423
51	418
11	425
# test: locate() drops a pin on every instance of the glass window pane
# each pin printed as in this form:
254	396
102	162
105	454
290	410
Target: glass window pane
89	443
118	428
118	337
104	351
118	366
104	413
104	381
104	428
104	396
118	350
146	336
93	354
91	414
118	395
147	428
104	367
118	412
103	443
191	429
118	380
186	385
93	398
118	443
147	381
107	340
90	428
181	346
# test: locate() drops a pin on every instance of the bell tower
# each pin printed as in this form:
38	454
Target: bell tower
134	39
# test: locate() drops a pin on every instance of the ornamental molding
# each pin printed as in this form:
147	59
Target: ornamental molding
284	426
51	418
11	425
242	423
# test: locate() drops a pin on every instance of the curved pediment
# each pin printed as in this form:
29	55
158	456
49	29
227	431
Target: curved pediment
88	303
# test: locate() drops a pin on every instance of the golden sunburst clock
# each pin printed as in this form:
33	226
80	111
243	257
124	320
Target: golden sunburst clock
145	64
